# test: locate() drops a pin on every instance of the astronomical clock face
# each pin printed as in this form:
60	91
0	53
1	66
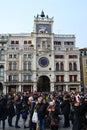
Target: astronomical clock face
43	62
43	28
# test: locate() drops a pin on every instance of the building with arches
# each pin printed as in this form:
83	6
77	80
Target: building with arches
39	61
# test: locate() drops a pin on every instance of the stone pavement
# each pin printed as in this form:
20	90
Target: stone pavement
21	125
61	125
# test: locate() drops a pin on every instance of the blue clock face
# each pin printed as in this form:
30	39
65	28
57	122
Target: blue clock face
44	28
43	62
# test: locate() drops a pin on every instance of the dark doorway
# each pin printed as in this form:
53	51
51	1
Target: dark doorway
12	89
1	88
43	84
26	88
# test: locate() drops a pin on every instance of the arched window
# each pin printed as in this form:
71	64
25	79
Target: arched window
61	66
29	65
1	70
70	66
2	55
57	66
14	65
74	66
10	65
25	65
10	77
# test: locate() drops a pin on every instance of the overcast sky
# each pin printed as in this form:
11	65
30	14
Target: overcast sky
70	16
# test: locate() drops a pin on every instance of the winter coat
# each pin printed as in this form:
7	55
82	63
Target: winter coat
78	116
41	110
10	108
18	106
31	109
3	109
65	106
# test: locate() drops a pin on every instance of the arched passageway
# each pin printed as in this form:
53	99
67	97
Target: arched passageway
43	84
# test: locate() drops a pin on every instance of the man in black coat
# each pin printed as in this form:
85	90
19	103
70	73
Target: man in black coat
41	110
18	109
65	106
3	110
77	122
10	109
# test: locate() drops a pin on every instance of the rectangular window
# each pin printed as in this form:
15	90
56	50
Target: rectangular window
15	56
10	78
73	56
67	43
59	56
84	53
75	77
25	66
57	78
25	42
10	55
48	45
70	78
17	42
1	71
29	55
25	56
14	65
10	65
12	42
14	77
57	42
62	78
27	78
29	42
72	43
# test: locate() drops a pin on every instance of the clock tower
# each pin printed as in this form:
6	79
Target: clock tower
44	51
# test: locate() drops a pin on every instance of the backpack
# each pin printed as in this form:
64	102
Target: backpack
24	115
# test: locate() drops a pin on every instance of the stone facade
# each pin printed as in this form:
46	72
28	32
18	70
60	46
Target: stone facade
83	67
39	61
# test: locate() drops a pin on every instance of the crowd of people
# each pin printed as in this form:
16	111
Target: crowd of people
42	110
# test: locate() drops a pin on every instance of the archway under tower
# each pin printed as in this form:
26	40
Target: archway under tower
43	84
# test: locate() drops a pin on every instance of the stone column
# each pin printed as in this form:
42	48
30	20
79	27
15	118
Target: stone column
79	88
66	87
19	89
4	90
52	87
35	87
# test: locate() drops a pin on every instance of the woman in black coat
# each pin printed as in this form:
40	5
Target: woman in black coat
10	109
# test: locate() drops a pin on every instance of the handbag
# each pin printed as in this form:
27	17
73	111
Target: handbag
35	117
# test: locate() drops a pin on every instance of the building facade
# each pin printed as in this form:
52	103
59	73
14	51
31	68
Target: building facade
83	66
39	61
